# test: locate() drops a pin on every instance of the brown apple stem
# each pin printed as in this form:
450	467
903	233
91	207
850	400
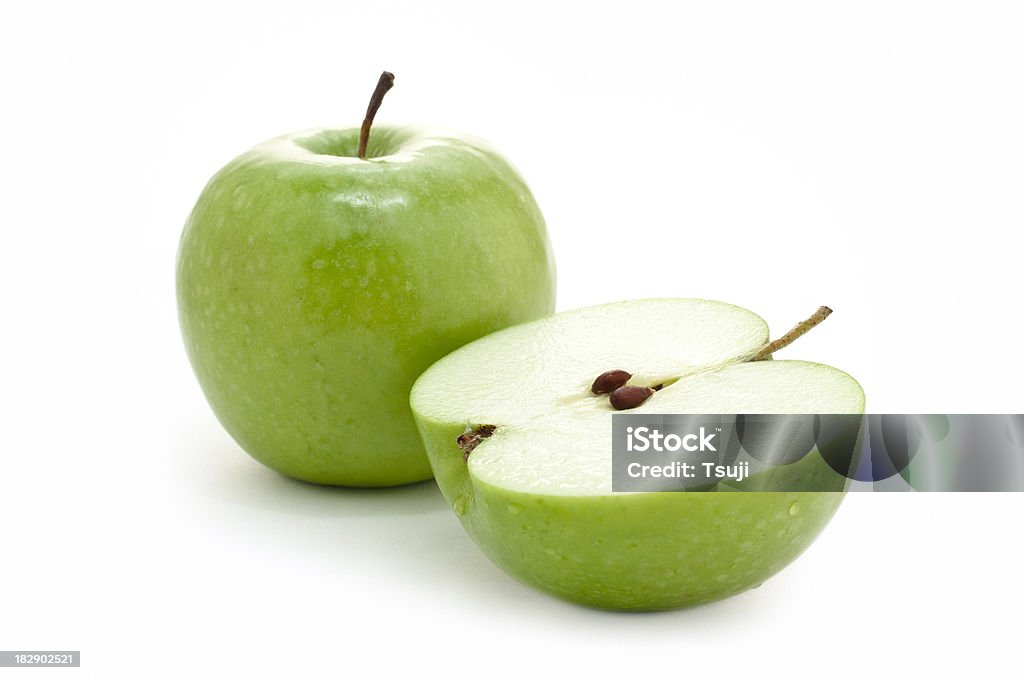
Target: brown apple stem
788	339
385	83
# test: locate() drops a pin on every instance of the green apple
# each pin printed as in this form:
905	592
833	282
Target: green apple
314	286
532	479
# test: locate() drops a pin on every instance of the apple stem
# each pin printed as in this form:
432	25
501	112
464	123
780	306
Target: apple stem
385	83
788	339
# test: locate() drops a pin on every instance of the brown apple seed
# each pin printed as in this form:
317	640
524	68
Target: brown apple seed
609	381
630	396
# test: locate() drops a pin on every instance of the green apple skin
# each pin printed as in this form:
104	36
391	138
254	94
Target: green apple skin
639	552
314	287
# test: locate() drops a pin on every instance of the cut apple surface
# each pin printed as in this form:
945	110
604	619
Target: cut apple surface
535	490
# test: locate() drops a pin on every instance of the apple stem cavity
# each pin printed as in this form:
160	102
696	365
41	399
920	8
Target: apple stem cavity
384	83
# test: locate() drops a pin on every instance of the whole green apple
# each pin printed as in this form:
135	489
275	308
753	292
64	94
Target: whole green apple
519	433
314	286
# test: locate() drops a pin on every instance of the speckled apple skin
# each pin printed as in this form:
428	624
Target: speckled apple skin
640	552
313	288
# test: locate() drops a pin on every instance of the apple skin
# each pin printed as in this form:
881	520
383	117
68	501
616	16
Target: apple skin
314	287
637	552
654	552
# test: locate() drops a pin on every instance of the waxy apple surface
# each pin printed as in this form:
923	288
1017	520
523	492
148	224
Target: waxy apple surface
314	287
536	493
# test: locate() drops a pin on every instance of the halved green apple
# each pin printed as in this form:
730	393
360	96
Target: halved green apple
532	479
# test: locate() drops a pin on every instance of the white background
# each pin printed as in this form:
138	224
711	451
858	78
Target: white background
863	155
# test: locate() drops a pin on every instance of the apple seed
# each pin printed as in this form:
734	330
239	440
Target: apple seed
609	381
630	396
